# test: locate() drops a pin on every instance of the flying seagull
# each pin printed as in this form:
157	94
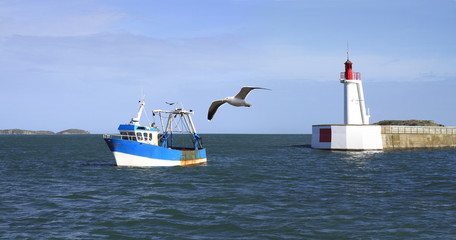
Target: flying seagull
238	101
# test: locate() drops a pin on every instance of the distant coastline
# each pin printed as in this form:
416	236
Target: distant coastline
71	131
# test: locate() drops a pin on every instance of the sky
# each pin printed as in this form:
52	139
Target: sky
86	63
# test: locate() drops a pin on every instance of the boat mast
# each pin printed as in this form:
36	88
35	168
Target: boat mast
192	126
169	127
183	115
135	121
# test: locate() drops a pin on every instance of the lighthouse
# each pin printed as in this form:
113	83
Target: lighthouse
355	134
354	106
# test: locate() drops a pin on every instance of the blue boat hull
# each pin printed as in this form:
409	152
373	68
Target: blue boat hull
133	153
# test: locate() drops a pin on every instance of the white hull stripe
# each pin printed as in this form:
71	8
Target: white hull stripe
128	160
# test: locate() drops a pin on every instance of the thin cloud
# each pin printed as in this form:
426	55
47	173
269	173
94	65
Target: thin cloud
35	18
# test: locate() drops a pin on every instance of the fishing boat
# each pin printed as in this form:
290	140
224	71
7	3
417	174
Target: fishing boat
178	144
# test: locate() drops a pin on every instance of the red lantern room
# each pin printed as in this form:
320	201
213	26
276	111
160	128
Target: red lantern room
348	70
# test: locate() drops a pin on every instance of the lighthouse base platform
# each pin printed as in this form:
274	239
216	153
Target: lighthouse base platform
352	137
375	137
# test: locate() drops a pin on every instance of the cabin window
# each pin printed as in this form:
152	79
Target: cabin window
150	136
145	136
139	136
124	135
132	136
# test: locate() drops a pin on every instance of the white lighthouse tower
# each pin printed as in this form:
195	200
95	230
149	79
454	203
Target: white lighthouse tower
354	107
355	134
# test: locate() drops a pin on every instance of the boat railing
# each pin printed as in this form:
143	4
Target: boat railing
122	137
418	130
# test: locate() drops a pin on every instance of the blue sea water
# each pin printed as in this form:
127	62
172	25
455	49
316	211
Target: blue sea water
253	187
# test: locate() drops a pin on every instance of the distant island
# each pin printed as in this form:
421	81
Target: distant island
71	131
409	123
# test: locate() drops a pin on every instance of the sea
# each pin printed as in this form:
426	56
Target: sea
252	187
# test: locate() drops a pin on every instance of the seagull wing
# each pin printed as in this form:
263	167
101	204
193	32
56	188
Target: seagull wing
245	91
213	108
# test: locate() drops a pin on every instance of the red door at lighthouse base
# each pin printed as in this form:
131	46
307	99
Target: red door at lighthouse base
325	134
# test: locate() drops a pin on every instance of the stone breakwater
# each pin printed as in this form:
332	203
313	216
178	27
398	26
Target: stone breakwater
418	137
31	132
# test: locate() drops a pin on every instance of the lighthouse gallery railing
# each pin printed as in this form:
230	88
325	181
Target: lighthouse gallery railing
355	76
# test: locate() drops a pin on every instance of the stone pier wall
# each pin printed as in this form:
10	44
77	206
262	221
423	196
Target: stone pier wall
417	137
